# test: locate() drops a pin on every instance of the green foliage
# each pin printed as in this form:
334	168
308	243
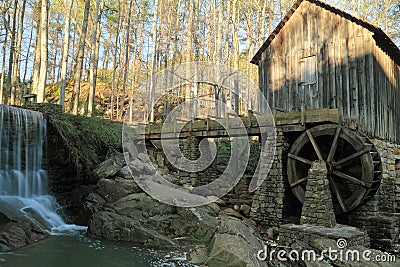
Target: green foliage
224	151
88	140
224	147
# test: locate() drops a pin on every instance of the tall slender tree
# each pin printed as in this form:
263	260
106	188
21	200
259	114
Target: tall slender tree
94	56
64	60
154	60
12	51
43	51
79	60
126	60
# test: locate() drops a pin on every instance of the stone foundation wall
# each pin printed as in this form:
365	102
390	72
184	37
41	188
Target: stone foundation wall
317	207
273	201
190	150
289	233
379	216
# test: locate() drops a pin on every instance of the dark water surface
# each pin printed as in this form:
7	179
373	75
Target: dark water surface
77	251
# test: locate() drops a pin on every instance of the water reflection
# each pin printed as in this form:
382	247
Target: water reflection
71	251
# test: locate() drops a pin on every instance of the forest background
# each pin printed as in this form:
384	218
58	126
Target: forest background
91	55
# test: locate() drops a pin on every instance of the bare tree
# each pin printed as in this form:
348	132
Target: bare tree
64	60
126	61
43	51
154	59
11	54
114	73
94	57
79	60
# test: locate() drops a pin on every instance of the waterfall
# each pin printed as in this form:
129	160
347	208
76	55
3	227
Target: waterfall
23	182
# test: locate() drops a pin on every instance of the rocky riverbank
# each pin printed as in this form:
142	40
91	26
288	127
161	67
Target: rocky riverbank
215	235
123	212
18	232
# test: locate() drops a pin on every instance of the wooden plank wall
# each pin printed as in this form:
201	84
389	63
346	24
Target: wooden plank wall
353	73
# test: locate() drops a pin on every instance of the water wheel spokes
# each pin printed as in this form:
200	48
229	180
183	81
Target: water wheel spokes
354	166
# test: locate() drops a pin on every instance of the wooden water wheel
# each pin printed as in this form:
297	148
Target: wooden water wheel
354	165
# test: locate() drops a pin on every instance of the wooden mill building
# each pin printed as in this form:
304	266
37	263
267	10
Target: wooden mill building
319	58
322	57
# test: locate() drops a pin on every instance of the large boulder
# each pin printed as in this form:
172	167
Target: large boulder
115	189
110	167
16	234
140	219
115	227
236	243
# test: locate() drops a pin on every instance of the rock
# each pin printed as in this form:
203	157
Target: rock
125	173
15	235
234	226
136	166
131	149
113	190
272	233
110	167
245	209
94	202
143	157
163	170
235	244
141	206
149	219
233	213
216	200
170	178
299	247
195	225
236	207
116	228
3	219
148	168
198	256
74	204
321	244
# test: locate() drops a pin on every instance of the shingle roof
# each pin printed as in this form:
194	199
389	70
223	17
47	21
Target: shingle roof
382	40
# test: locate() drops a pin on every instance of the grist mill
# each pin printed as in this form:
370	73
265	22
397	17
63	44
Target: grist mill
333	84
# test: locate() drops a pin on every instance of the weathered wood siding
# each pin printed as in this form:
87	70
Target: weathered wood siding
352	73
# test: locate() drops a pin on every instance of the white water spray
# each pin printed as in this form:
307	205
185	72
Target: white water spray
23	182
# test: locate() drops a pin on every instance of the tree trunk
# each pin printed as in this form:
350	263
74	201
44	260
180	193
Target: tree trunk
27	55
154	61
236	56
43	51
270	17
79	61
94	57
115	63
36	64
11	55
64	60
3	66
120	59
17	66
126	61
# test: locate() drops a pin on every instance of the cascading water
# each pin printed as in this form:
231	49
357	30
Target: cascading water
23	182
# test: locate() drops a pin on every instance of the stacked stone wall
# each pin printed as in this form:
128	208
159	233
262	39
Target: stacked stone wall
380	215
318	208
273	201
289	233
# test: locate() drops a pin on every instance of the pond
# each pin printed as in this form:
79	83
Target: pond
79	250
